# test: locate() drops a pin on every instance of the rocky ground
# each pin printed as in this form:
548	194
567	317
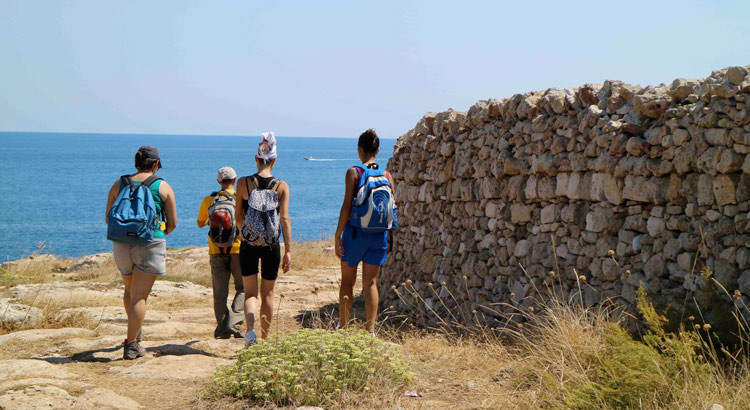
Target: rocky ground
82	367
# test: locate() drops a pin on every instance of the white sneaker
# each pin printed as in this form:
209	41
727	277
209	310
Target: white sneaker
250	338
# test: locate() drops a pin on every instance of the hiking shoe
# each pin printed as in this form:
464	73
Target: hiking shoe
250	338
236	333
222	334
132	350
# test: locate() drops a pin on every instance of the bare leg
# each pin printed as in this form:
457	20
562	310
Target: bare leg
140	288
346	293
266	306
372	298
250	283
126	296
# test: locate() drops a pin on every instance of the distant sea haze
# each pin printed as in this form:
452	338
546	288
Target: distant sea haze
70	174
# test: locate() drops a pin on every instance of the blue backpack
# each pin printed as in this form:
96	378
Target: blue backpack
374	207
133	218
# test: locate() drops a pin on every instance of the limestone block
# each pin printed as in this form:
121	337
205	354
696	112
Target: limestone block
605	187
530	189
655	267
736	75
576	189
729	162
705	190
636	146
549	214
655	226
561	187
546	188
680	136
723	190
685	261
717	136
519	213
652	101
599	219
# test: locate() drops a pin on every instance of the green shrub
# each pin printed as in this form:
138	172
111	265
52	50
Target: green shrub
312	367
628	373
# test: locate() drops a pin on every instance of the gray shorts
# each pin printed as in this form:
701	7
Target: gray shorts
150	258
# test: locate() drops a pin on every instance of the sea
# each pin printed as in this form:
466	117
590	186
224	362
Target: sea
53	186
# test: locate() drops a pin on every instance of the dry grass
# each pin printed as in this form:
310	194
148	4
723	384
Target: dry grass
53	316
197	270
313	254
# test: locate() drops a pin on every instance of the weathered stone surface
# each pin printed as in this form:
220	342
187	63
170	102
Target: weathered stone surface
35	335
41	397
519	213
655	226
599	219
186	367
646	176
723	189
29	368
14	314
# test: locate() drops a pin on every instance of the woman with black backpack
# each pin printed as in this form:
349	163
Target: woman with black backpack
262	214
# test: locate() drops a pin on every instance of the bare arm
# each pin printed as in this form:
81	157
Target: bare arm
240	198
170	206
286	226
286	223
111	198
346	208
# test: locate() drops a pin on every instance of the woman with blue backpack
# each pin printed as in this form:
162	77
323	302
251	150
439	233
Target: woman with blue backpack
141	211
262	215
365	229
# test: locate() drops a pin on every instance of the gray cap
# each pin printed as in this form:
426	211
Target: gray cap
150	151
226	173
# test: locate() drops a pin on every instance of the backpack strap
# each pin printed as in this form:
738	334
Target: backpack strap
274	185
127	181
150	180
255	181
147	183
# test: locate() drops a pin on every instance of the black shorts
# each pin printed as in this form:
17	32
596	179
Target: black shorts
270	259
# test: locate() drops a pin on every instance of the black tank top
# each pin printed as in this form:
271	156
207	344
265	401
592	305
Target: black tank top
263	183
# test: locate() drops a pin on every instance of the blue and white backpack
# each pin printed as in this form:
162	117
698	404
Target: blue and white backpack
374	206
261	226
133	218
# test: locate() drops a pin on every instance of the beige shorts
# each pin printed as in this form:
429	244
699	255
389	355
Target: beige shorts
150	258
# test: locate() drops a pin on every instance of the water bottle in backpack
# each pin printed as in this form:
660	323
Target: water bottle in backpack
374	206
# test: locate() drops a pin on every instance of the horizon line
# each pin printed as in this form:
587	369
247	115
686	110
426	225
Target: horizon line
174	135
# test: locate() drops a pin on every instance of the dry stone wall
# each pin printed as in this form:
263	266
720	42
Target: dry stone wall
628	186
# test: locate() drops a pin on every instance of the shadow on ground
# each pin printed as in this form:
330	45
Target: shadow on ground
327	317
106	354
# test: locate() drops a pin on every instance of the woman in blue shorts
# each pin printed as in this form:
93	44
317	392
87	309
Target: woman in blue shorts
354	245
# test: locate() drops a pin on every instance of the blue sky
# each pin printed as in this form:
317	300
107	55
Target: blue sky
332	68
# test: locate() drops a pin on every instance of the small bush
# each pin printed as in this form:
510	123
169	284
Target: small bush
313	367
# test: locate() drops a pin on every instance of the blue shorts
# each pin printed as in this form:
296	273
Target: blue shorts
368	247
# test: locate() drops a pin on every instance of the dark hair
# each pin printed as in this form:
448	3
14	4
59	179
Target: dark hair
144	164
225	181
369	142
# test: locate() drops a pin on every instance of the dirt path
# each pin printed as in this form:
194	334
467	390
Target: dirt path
82	368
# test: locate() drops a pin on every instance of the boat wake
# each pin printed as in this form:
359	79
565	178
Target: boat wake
309	158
